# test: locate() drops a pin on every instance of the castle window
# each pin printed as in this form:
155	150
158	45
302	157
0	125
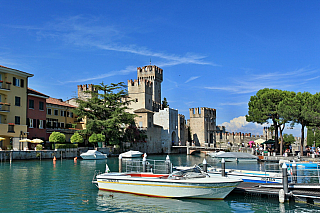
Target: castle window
136	99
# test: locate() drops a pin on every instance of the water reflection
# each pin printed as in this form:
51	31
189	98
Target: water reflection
119	202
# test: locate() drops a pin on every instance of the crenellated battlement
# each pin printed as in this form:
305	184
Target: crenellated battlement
136	86
86	87
202	112
150	72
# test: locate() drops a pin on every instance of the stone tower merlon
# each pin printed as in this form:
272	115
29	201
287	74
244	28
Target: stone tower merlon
83	88
202	112
155	75
143	86
150	72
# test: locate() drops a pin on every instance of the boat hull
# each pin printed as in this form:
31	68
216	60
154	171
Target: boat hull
93	157
169	188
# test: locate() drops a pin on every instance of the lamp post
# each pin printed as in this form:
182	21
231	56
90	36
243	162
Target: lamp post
314	137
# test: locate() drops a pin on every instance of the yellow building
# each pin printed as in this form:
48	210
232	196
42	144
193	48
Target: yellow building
60	118
13	106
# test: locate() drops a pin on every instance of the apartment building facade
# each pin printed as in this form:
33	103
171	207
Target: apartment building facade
13	106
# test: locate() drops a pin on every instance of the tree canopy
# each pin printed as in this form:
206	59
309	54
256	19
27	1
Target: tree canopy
264	107
105	111
165	103
76	138
57	137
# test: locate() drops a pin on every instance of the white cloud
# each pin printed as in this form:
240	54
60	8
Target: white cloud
240	124
125	71
192	78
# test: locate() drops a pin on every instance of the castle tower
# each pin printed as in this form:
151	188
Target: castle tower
81	91
141	94
203	125
155	75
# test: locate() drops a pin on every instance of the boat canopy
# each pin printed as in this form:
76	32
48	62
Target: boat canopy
236	155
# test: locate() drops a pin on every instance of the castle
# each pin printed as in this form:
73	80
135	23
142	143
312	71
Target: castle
165	127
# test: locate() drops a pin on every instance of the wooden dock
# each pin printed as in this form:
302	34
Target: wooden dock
309	193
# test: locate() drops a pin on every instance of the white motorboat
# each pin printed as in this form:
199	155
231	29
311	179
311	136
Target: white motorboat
250	175
190	183
93	155
132	154
236	157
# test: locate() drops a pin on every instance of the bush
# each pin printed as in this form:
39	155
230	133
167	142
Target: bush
96	138
76	138
66	146
57	137
39	147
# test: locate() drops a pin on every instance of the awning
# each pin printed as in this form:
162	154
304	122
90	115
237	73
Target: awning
269	142
37	140
25	140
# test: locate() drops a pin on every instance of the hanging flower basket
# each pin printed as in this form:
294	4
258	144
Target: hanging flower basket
1	81
8	82
11	124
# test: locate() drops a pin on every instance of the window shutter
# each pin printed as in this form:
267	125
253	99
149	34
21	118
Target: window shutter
14	81
38	123
22	83
28	122
34	123
44	124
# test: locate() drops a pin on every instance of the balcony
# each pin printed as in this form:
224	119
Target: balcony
4	107
5	86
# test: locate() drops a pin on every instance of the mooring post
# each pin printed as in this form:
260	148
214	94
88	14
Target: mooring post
294	172
61	155
205	165
188	149
168	169
144	162
285	178
11	156
120	163
223	168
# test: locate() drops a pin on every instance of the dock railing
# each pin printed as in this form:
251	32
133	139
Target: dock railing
154	166
296	175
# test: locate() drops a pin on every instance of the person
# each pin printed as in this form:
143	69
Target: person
308	151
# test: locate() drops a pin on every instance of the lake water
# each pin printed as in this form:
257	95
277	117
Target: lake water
65	186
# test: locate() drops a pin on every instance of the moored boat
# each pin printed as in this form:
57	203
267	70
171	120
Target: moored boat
236	157
131	154
181	184
93	155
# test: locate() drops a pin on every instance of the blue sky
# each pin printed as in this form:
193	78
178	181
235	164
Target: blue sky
214	53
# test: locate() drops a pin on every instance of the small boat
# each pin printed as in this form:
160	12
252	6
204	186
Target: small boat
132	154
251	176
214	154
236	157
93	155
189	183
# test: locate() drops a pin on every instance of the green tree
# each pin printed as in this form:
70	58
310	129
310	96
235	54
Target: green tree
105	111
57	137
76	138
264	107
94	138
288	139
132	133
165	103
292	108
313	136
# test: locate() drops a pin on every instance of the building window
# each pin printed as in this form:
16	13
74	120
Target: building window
140	124
18	82
62	125
17	101
31	104
71	114
31	123
56	112
40	124
17	120
11	127
136	99
41	105
63	113
49	111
